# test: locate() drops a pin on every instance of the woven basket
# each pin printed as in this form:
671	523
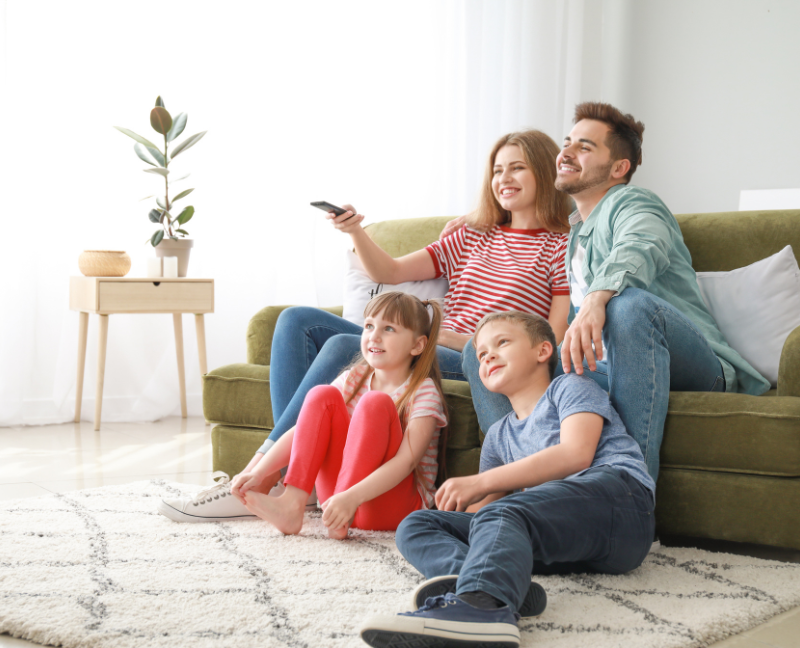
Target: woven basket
104	263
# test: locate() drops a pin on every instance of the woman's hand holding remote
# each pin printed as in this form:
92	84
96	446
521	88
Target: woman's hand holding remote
348	222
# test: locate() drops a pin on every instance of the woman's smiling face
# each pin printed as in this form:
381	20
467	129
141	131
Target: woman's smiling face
513	182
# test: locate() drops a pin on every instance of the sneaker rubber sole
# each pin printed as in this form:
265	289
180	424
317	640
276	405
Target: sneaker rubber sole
408	632
534	604
179	516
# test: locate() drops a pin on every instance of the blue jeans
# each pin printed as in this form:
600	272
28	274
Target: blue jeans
601	521
652	348
311	347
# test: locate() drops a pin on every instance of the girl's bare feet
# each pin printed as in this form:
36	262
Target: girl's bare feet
340	533
285	513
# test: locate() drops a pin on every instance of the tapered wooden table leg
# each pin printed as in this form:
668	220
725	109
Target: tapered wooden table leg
176	318
83	331
102	343
200	326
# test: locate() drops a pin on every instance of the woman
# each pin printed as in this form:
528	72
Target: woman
508	256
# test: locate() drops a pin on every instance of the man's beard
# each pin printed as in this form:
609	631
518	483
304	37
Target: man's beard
599	176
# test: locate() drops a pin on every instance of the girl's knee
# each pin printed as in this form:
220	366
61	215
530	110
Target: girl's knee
323	394
376	401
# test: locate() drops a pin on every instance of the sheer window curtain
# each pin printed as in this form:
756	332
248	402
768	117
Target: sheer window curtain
390	106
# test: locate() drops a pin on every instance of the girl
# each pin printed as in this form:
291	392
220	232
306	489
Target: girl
508	256
370	440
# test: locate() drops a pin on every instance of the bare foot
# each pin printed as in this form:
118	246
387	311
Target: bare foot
268	483
341	532
285	513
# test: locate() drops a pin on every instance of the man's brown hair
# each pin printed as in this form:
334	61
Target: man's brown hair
536	327
625	139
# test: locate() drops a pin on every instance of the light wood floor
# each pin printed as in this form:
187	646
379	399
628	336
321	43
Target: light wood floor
37	461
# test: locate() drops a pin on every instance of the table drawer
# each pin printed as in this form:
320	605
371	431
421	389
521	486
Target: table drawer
156	297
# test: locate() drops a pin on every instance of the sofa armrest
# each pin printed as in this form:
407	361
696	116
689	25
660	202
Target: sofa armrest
789	367
261	329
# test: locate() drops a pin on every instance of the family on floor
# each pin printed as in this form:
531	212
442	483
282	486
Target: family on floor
571	329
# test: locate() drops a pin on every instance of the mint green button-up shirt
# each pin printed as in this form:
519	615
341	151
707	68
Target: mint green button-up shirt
632	240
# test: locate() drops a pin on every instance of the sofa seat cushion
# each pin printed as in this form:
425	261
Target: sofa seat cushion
238	394
738	433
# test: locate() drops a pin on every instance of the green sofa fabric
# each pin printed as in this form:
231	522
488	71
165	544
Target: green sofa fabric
730	463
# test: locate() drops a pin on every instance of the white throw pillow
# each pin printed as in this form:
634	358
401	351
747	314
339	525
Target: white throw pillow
756	307
359	289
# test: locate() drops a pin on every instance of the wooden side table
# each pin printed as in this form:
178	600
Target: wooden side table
110	295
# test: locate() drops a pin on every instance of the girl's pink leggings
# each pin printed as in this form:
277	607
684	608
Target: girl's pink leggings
336	452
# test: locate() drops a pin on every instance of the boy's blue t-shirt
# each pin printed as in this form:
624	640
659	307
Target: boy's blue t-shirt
510	439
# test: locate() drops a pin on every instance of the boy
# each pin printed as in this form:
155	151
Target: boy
562	488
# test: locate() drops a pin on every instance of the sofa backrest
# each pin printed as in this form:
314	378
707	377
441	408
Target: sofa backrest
717	241
728	240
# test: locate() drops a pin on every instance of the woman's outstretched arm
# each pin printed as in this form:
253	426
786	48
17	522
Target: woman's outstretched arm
381	267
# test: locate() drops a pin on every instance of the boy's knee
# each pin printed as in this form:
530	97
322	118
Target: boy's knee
410	529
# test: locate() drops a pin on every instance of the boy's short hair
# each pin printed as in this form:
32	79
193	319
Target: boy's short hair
537	328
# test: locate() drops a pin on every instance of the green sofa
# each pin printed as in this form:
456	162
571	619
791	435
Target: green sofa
730	463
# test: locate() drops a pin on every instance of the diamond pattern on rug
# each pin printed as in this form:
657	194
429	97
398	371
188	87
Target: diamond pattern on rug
101	567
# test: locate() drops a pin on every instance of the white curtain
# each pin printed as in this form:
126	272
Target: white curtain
390	106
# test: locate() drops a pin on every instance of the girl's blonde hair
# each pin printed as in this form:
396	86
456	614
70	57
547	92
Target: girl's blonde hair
552	206
410	312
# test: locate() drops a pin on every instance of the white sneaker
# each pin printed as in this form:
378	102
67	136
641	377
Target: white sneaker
215	504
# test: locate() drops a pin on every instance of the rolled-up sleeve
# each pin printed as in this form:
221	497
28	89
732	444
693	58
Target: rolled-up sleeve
640	250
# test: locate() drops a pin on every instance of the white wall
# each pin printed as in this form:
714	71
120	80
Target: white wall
717	84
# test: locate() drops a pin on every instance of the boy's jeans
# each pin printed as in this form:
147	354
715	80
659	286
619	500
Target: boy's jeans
652	348
601	522
311	347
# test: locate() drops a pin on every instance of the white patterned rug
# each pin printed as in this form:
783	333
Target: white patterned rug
101	568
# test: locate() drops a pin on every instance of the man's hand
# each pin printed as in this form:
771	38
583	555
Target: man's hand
338	510
452	226
458	493
586	328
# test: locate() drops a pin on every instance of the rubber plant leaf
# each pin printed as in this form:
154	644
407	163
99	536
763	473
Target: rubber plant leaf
160	101
140	151
158	171
178	124
160	202
186	215
160	120
133	135
188	142
154	216
182	194
157	237
182	231
158	155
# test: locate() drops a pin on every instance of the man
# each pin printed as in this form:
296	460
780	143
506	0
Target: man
632	288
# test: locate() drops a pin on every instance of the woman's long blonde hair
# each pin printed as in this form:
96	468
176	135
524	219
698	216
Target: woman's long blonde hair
552	206
410	312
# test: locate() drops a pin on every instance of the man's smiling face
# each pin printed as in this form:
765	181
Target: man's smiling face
584	162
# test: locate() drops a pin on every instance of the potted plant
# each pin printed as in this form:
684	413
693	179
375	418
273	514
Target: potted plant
169	239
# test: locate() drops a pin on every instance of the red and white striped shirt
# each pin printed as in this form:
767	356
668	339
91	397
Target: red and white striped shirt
499	270
425	402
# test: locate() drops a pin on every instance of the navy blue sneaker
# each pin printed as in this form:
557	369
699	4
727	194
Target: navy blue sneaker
534	604
444	621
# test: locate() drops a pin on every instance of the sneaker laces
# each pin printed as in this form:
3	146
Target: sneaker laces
433	602
222	488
